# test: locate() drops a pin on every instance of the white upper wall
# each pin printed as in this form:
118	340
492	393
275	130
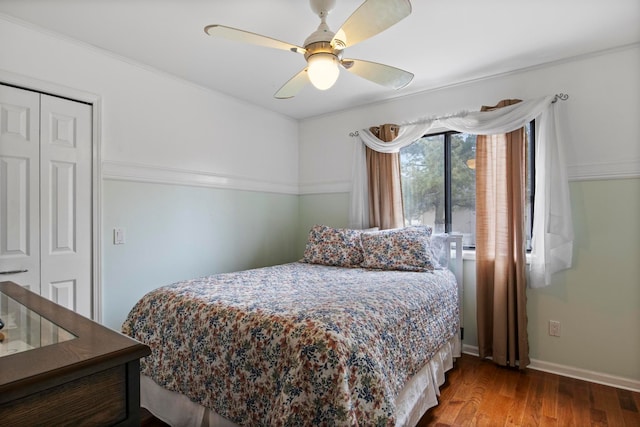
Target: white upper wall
152	119
602	111
155	120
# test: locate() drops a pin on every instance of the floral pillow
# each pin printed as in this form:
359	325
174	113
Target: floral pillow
407	249
426	229
333	246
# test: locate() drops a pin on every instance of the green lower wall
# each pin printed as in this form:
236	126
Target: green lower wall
328	209
179	232
597	301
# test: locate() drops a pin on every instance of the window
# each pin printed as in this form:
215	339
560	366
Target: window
439	183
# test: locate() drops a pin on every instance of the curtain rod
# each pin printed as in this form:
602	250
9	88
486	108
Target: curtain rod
556	97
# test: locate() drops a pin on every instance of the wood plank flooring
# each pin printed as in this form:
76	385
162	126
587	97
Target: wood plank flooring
480	393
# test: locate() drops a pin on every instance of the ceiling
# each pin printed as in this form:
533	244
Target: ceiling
442	42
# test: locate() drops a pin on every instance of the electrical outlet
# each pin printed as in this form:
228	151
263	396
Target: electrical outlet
554	328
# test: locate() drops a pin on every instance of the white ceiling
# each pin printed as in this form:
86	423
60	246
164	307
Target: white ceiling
442	42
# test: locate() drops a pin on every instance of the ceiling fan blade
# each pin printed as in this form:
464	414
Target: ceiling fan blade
371	18
384	75
248	37
293	86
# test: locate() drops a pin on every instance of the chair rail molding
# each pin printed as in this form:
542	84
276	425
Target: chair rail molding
125	171
604	170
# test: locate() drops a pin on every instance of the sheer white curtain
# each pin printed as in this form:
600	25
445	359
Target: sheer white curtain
552	240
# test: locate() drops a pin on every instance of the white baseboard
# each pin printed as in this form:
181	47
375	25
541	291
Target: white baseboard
586	375
573	372
471	350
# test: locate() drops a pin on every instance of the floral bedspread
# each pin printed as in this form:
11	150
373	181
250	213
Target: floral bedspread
296	344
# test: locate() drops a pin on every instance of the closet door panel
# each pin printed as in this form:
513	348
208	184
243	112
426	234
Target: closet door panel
19	187
65	188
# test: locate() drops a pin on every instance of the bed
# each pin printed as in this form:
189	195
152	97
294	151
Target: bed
358	332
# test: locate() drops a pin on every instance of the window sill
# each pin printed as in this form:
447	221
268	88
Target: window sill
468	255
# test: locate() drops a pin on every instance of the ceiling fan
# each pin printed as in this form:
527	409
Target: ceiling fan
323	49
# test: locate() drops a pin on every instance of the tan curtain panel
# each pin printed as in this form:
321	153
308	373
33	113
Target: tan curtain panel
500	246
385	188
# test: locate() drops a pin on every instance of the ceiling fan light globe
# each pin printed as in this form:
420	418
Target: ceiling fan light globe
323	70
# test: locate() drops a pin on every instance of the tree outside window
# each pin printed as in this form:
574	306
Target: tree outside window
426	170
439	183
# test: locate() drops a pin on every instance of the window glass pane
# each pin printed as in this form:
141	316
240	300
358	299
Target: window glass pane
463	187
423	183
422	166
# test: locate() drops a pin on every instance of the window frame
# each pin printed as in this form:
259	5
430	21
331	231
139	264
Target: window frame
448	172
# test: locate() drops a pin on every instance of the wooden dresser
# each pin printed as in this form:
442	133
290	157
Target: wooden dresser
59	368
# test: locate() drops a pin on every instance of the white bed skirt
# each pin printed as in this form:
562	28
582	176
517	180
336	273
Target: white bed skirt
418	395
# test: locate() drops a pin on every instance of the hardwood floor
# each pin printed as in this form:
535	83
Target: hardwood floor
479	393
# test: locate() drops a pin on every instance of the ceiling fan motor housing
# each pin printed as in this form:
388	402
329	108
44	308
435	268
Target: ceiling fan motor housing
321	47
320	40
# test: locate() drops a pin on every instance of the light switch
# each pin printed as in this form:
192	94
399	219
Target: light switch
118	236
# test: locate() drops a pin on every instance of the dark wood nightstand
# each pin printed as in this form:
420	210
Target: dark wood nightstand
60	368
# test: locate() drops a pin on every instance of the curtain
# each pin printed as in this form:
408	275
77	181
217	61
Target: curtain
500	252
385	189
552	240
359	198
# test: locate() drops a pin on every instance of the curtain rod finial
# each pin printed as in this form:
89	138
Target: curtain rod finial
560	96
352	134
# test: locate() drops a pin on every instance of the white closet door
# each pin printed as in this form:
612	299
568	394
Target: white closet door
19	187
45	196
65	203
